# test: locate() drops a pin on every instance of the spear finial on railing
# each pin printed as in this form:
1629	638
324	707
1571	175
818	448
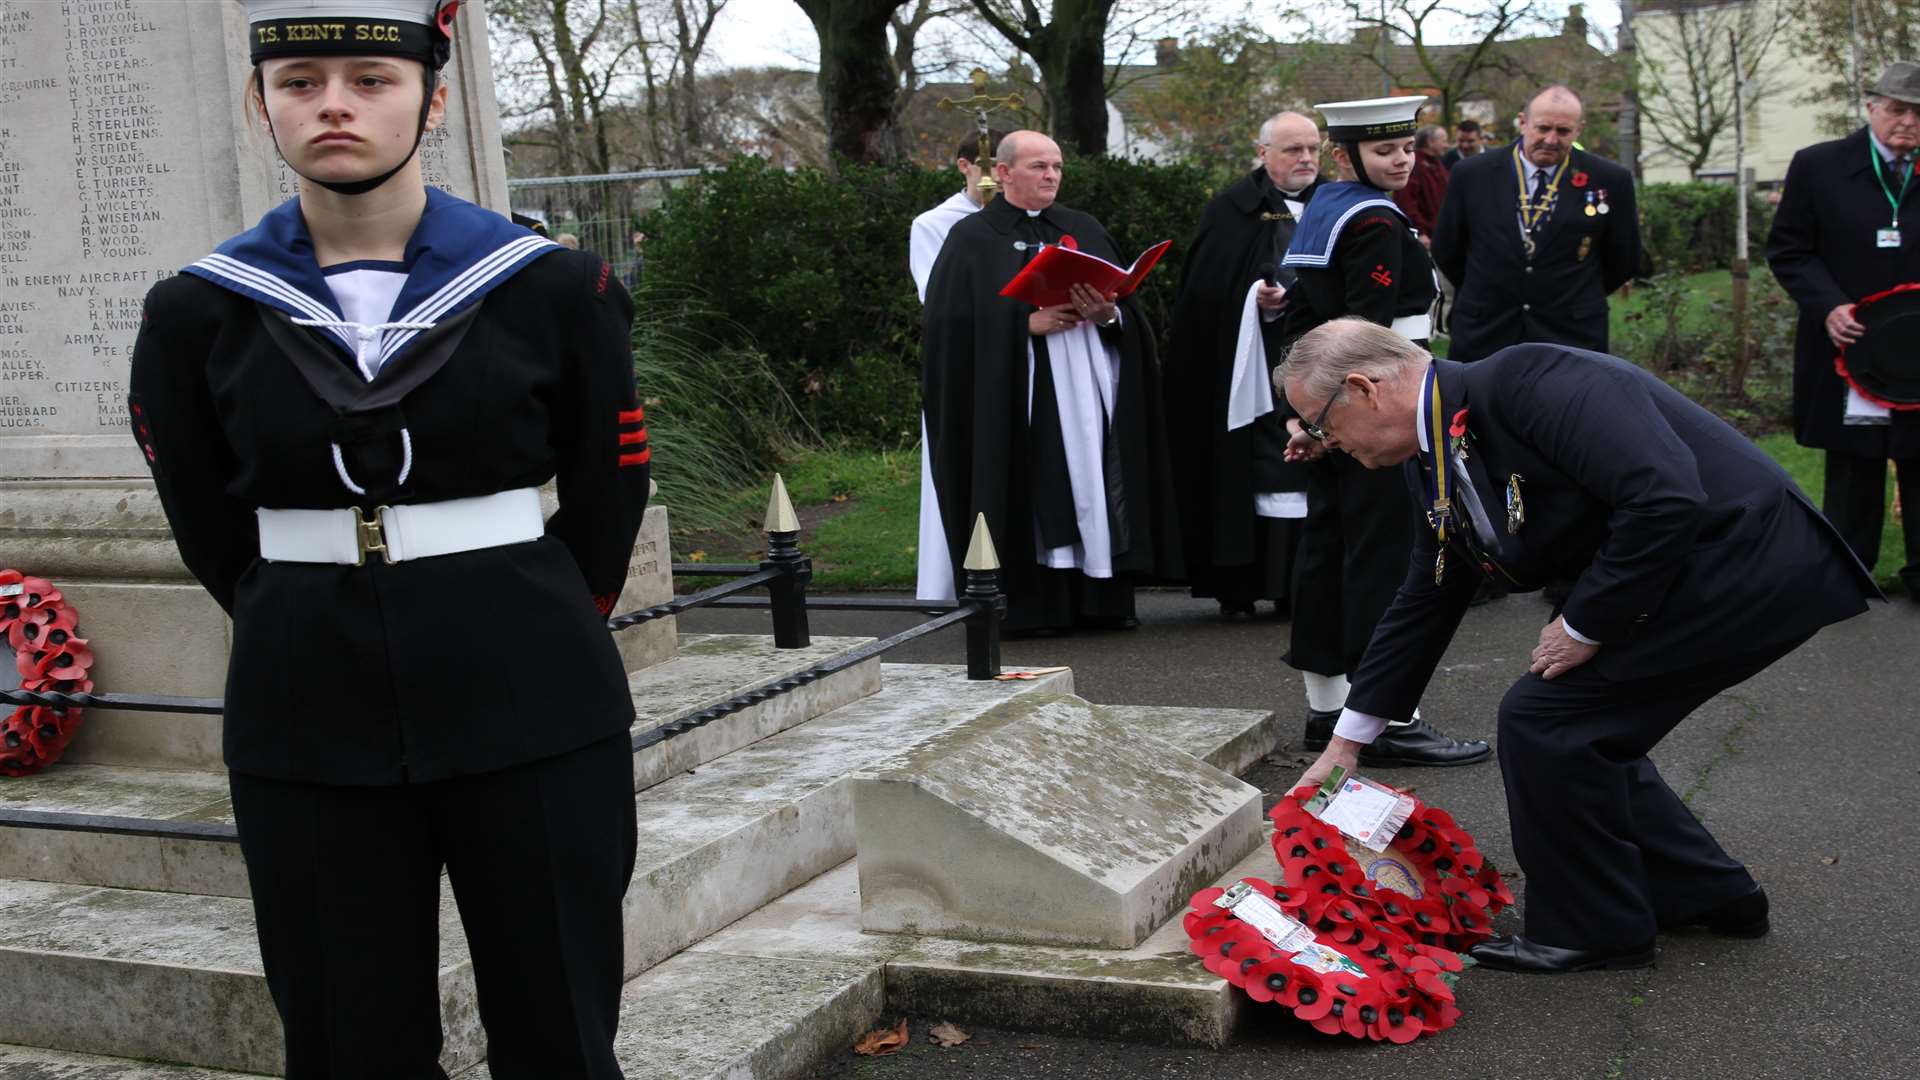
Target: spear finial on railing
983	589
788	593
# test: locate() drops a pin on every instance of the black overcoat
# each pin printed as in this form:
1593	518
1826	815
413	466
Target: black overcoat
1504	298
1822	252
1686	544
1232	248
436	667
975	389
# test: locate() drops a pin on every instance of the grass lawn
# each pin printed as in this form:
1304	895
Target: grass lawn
1807	466
859	515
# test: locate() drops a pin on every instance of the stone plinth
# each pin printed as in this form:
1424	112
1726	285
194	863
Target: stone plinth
1044	821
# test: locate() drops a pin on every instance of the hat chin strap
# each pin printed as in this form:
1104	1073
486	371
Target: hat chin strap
1359	164
354	187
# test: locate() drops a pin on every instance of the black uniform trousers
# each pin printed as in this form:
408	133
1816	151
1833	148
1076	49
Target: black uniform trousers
1358	536
1855	500
346	890
1609	852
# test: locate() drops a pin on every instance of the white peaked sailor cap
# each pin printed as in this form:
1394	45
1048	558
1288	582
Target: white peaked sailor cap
415	29
1374	118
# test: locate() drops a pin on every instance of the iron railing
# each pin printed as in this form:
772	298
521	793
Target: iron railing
784	574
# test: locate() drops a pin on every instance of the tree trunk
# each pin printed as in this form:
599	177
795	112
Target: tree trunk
856	76
1076	76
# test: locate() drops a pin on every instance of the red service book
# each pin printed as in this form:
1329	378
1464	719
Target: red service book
1044	281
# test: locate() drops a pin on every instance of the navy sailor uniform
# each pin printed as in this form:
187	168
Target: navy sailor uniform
466	711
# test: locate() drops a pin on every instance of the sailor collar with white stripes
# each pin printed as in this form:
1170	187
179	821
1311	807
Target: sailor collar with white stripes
456	255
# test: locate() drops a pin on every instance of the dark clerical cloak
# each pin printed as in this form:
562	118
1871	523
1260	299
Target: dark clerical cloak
987	458
1243	233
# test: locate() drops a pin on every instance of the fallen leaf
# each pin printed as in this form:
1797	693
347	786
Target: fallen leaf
696	556
946	1034
883	1041
842	497
1829	860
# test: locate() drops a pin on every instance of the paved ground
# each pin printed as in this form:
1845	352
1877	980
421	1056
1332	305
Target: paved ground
1807	772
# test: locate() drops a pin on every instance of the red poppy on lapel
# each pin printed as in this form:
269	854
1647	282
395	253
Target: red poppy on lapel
1579	179
1459	425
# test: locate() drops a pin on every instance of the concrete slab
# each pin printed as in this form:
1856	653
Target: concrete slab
34	1063
1231	740
721	841
167	977
1044	821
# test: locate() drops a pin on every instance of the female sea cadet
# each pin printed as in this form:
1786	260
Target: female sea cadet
349	410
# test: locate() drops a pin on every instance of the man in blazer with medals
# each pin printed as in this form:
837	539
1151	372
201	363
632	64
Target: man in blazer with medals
1545	463
1535	236
1848	227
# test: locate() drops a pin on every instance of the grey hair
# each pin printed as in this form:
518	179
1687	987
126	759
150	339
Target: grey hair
1324	356
1267	126
1554	88
1429	135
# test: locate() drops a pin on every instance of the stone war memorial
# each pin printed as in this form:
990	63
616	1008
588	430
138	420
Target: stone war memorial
825	839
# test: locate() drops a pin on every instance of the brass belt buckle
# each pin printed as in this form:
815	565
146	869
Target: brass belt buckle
370	535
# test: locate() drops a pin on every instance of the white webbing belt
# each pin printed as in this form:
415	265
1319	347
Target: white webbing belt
399	533
1414	327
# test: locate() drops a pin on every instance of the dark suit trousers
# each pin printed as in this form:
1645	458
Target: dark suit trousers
346	892
1855	500
1353	556
1608	851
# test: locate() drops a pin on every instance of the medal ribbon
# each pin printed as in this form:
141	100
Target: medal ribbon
1442	505
1880	175
1531	214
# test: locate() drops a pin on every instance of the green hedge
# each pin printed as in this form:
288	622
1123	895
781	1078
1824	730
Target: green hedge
1690	227
810	268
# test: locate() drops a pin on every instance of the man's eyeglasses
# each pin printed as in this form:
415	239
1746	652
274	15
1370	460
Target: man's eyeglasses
1314	427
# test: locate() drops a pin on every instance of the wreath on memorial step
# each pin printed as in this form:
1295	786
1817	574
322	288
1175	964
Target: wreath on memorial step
43	630
1380	986
1431	882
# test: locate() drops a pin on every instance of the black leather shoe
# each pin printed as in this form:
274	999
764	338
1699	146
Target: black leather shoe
1740	917
1515	953
1401	745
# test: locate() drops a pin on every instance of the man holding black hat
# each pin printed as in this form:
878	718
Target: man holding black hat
1848	228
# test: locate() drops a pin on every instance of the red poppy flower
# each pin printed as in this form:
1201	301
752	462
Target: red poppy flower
1579	179
1225	950
1459	425
66	658
1397	1024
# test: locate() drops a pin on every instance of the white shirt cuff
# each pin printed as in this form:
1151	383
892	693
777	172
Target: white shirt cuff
1360	727
1575	634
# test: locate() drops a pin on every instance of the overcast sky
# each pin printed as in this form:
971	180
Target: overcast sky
776	33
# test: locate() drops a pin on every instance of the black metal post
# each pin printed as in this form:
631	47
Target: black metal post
788	592
983	626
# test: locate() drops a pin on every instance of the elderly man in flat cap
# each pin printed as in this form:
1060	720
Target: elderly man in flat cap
1848	227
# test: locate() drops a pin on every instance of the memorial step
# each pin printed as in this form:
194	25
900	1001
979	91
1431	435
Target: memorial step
715	844
168	829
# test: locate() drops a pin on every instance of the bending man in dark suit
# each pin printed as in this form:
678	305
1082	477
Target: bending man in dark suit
1535	236
1566	464
1837	239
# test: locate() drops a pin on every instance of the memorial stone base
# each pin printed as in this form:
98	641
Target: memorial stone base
1044	821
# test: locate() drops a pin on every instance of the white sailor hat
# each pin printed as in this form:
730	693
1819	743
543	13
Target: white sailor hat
1374	118
416	29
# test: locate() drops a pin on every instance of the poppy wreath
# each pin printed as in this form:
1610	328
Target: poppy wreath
1407	991
1451	906
43	631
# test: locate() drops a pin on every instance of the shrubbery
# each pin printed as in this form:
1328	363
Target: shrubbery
796	285
1689	227
811	270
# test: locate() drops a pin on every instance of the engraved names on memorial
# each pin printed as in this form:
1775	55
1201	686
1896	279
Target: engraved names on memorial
124	155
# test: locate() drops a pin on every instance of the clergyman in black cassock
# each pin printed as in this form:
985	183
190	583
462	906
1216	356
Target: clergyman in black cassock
1830	248
1538	267
1241	502
1056	435
1696	563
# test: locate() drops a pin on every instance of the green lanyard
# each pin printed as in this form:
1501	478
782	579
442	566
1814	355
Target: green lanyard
1880	175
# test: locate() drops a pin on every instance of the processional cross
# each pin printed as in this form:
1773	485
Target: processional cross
982	103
